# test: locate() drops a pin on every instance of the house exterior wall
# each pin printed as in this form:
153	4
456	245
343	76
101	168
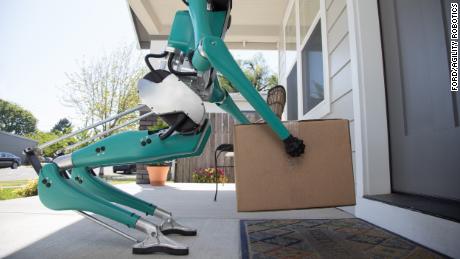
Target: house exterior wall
340	83
339	62
339	67
15	144
357	93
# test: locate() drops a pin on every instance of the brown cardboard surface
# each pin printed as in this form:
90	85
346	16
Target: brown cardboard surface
268	179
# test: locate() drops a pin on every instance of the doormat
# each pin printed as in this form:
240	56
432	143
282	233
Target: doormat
325	238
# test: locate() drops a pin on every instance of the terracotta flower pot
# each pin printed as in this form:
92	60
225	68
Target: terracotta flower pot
157	175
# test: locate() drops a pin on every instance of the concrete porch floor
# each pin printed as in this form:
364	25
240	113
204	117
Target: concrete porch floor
29	230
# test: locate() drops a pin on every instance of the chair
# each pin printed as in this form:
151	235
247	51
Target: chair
276	99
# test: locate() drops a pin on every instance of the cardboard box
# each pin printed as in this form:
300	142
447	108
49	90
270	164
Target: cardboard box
268	179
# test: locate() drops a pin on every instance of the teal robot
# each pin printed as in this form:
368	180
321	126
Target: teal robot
194	54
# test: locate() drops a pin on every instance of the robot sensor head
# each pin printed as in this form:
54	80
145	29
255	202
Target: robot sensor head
174	101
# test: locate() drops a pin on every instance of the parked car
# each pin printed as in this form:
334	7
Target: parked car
9	160
125	169
46	159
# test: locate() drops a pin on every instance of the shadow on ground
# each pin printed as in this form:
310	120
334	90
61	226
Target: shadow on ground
217	224
85	239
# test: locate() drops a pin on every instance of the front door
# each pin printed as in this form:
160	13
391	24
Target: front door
423	114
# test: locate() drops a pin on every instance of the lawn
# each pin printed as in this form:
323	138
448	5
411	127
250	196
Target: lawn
6	194
14	183
121	181
8	188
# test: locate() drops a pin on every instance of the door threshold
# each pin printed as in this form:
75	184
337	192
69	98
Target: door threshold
446	209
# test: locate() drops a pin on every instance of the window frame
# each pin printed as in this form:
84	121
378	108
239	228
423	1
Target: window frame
292	6
324	107
288	89
284	68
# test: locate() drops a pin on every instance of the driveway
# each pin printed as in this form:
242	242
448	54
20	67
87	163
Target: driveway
21	173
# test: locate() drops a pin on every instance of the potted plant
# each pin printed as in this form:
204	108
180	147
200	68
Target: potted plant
158	173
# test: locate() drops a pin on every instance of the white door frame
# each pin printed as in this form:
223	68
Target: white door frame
371	139
369	101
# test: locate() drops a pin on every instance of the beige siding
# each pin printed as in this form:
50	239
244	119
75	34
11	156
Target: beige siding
339	60
334	11
340	82
339	52
342	108
338	31
339	57
328	3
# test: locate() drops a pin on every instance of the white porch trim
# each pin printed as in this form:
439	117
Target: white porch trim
371	139
369	101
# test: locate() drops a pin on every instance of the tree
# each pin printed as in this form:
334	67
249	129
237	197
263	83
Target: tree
43	137
63	126
257	71
15	119
105	87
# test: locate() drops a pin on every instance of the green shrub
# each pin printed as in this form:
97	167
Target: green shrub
206	175
29	190
159	125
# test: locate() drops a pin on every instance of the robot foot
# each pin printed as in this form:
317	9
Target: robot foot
170	226
156	242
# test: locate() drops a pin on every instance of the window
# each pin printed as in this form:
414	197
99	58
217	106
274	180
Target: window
308	9
291	86
312	70
290	39
303	45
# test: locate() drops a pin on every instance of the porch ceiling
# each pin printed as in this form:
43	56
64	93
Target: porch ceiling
255	23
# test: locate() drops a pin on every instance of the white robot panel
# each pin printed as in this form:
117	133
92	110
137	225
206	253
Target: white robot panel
172	95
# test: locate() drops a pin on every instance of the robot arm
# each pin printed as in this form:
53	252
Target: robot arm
195	52
212	52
